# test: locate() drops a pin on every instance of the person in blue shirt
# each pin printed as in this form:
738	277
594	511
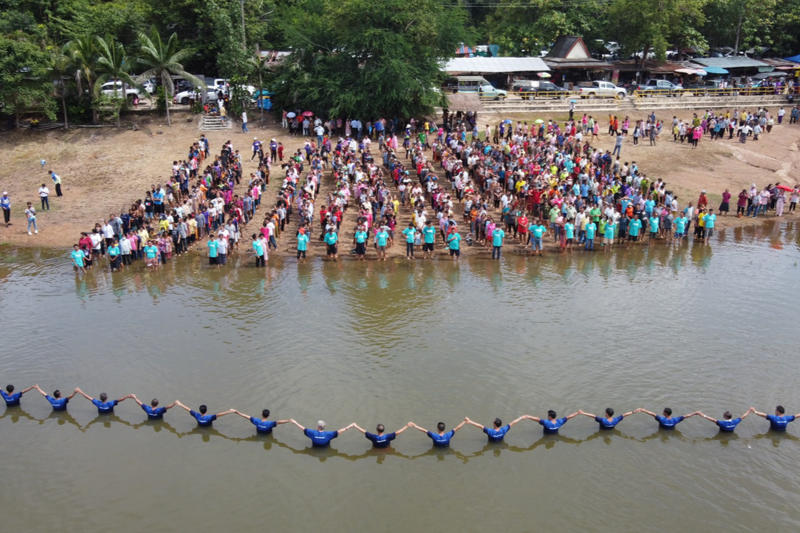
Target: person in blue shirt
154	412
609	421
382	239
319	437
454	243
709	221
591	228
381	439
633	230
78	259
552	423
58	403
442	438
204	420
331	238
653	229
497	242
263	425
302	244
410	232
104	406
498	431
728	423
258	251
666	420
12	398
779	420
429	237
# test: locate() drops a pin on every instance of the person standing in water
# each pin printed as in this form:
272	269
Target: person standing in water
12	398
728	423
609	421
263	425
666	420
154	412
203	420
498	431
319	437
380	439
442	438
58	403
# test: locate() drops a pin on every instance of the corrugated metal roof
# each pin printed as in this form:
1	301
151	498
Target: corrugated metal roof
730	62
561	64
495	64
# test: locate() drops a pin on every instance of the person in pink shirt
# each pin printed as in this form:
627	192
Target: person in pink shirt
724	207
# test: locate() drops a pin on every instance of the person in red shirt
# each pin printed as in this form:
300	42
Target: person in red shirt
85	244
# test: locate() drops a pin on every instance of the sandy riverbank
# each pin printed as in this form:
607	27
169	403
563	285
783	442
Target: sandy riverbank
105	170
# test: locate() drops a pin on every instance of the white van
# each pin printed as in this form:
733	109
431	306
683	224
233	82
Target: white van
477	84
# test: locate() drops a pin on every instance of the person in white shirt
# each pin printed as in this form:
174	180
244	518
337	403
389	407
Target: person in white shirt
222	247
44	193
125	250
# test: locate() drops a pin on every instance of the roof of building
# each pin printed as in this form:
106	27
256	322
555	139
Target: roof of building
569	47
653	67
557	63
495	64
730	62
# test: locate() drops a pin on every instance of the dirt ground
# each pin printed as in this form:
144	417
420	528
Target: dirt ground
104	170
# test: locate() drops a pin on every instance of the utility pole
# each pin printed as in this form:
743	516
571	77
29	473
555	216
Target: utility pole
738	29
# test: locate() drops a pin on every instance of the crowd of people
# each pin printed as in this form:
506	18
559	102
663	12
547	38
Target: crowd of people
320	437
514	185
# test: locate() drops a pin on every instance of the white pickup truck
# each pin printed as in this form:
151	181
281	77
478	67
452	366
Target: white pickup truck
602	89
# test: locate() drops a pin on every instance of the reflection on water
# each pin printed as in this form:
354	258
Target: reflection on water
690	326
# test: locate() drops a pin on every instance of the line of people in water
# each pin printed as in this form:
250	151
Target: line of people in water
320	437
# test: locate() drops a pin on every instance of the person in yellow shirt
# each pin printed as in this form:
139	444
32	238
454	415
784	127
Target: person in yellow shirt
700	227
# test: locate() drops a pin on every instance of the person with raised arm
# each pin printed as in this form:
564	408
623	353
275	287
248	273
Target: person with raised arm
552	423
154	412
666	420
12	398
381	439
442	438
319	437
58	403
104	406
728	423
609	421
779	420
203	420
263	426
498	431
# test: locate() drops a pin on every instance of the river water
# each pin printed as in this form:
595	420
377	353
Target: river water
710	328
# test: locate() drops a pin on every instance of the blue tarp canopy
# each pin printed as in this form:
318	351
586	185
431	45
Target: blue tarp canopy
715	70
793	59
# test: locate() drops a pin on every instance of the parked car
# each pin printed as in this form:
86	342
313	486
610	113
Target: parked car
532	88
149	86
183	97
703	88
476	84
114	88
602	89
660	87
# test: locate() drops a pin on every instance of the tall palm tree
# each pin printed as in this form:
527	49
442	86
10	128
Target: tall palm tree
163	60
112	64
83	55
260	70
61	68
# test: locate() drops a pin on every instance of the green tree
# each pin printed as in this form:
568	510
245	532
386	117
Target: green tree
24	77
113	65
260	71
83	56
60	71
651	25
162	60
365	58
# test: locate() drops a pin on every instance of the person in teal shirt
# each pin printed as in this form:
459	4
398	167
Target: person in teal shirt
454	242
633	230
213	247
709	221
410	232
258	250
360	240
497	242
680	227
591	228
536	231
609	235
113	256
381	240
331	239
302	244
429	236
653	229
569	229
77	259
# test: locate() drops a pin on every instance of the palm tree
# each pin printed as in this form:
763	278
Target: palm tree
83	55
61	66
260	69
112	64
163	60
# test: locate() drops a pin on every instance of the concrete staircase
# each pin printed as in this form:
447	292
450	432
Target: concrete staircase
209	123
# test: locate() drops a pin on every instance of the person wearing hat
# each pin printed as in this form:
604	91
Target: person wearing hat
5	204
302	244
319	437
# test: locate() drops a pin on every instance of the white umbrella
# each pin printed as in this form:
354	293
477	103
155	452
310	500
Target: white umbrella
291	114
